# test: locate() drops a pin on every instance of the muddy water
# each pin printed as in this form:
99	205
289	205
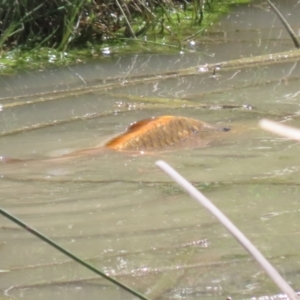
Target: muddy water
119	212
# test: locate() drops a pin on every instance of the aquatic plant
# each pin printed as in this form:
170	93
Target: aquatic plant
35	34
280	129
59	24
240	237
52	243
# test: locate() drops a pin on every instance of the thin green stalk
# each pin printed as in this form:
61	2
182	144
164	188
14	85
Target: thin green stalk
31	12
195	34
286	25
126	20
69	254
45	39
7	33
69	24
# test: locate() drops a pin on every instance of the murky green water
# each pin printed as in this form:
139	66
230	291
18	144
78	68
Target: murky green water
120	212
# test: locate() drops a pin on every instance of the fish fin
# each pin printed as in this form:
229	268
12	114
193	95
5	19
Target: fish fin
117	141
138	125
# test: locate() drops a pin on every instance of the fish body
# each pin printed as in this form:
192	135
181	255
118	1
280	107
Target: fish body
148	136
165	132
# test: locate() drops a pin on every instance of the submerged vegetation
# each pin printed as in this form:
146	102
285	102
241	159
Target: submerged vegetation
60	31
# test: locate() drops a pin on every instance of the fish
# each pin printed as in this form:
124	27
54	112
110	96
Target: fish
163	133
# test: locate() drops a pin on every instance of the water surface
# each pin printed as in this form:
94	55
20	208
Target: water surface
122	214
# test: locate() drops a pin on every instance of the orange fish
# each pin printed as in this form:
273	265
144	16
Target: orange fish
162	133
150	135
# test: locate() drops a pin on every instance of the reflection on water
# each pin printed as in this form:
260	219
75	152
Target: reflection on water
118	211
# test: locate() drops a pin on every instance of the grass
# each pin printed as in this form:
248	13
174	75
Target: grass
36	33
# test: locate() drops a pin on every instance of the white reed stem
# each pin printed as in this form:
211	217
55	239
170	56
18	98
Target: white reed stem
194	193
280	129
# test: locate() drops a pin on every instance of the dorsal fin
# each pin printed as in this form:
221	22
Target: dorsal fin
139	124
120	140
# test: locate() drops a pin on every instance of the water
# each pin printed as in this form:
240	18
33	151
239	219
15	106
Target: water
122	214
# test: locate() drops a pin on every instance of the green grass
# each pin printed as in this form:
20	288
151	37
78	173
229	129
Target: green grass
37	34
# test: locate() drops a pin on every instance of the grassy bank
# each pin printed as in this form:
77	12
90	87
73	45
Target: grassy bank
37	33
